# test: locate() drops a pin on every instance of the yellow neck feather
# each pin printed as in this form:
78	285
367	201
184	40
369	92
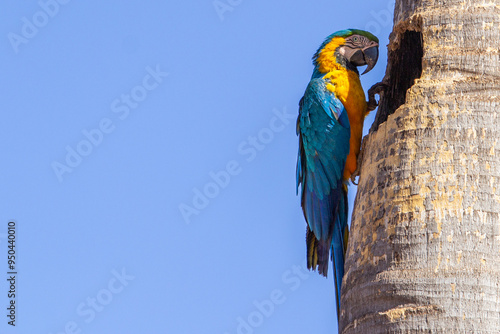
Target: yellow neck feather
326	58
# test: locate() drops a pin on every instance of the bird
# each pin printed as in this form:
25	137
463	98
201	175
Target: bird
329	127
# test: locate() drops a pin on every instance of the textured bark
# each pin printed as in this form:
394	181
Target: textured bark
424	248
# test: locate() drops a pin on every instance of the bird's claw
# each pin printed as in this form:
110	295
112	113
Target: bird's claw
359	162
357	172
353	176
375	89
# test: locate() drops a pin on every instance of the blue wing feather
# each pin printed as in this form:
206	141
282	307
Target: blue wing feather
324	132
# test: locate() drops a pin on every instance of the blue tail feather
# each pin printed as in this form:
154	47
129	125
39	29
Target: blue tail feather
339	245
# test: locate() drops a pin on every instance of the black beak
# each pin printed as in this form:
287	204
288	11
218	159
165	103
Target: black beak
370	56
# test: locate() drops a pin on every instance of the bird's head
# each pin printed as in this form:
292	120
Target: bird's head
348	48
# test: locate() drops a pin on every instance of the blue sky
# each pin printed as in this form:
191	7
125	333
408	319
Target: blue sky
117	117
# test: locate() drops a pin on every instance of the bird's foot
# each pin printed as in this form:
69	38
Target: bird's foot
372	103
359	163
378	88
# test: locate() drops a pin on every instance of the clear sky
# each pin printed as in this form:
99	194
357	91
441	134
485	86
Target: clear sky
149	155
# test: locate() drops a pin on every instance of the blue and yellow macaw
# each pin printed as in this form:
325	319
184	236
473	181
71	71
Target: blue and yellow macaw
330	126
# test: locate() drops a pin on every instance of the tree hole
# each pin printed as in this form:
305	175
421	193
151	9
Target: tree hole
405	65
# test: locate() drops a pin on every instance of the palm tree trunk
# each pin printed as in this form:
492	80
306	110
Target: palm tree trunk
424	248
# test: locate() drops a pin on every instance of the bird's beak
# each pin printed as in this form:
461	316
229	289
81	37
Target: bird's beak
370	56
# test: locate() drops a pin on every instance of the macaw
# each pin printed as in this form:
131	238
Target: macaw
330	126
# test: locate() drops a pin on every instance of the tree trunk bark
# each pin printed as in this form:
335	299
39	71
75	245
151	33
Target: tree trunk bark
424	247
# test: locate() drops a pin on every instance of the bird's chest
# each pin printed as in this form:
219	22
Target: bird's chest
347	88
